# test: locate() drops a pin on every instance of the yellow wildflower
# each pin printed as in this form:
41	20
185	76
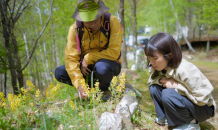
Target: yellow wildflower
17	102
51	85
13	106
47	92
96	84
10	97
122	81
93	90
31	104
37	93
3	104
114	81
2	96
24	91
30	84
72	104
118	88
54	79
24	97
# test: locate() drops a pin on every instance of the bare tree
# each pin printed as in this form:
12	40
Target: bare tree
27	48
10	13
134	25
123	47
180	28
44	45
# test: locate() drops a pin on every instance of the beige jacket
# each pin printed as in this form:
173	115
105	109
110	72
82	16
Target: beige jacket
191	83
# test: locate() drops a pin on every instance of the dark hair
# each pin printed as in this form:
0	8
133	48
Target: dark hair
164	44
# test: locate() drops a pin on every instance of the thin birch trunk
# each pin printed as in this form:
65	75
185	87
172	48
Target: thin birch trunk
57	53
134	28
5	84
53	46
44	46
27	49
208	41
180	28
39	77
165	25
123	47
42	58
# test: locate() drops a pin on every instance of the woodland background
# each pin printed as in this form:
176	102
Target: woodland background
33	33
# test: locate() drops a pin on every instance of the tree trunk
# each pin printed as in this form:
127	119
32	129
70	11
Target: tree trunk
42	59
44	46
53	47
165	25
134	28
17	60
180	28
5	84
27	50
123	47
208	41
6	24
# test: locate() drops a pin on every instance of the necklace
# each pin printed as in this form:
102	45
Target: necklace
92	38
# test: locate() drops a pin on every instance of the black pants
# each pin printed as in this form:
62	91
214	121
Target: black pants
178	109
104	70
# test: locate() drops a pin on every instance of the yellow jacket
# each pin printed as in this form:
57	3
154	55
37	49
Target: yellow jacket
91	49
191	83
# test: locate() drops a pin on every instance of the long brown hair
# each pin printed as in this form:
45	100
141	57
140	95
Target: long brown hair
164	44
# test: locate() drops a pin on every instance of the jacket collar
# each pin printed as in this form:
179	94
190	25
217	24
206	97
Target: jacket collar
170	71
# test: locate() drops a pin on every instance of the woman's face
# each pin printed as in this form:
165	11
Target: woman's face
158	62
93	25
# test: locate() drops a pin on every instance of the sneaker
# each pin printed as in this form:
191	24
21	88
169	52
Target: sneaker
188	126
162	121
106	95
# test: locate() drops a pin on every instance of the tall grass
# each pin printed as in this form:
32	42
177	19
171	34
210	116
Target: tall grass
58	107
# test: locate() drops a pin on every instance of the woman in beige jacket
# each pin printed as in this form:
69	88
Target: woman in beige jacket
181	93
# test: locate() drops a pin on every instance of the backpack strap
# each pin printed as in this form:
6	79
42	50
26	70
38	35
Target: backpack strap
106	30
80	32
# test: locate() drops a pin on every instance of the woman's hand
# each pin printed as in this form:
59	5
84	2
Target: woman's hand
168	82
81	93
84	68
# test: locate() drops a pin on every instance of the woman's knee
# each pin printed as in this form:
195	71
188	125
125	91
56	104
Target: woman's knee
154	89
172	98
167	95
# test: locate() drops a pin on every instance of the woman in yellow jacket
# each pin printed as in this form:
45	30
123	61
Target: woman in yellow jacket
105	62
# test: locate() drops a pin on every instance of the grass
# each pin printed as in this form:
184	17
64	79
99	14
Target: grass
210	65
58	107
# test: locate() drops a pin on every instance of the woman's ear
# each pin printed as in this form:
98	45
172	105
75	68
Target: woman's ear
170	56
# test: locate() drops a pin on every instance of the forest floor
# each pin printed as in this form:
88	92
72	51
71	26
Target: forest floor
207	63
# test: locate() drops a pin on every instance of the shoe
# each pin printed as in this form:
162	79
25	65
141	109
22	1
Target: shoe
189	126
162	121
106	95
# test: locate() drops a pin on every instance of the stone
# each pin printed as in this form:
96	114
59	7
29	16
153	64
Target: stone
123	108
132	103
110	121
